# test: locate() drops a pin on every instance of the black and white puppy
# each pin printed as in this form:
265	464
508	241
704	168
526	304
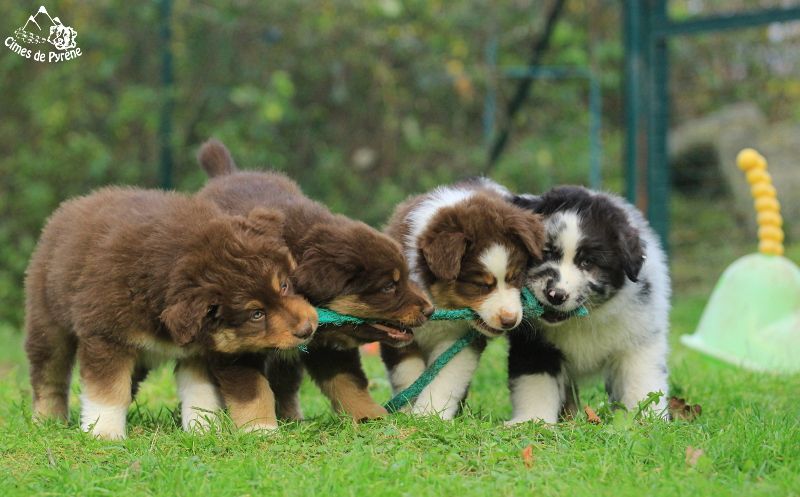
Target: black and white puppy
600	252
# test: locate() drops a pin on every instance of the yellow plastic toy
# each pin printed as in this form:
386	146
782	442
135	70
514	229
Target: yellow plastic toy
768	209
753	316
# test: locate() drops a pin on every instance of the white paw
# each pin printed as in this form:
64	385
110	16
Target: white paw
103	421
200	399
535	419
446	412
263	428
197	420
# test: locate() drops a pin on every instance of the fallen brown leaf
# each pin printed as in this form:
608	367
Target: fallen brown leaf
591	416
527	456
679	409
693	455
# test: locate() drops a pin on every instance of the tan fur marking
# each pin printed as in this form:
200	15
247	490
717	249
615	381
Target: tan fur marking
446	296
346	396
225	340
257	408
51	388
113	388
396	275
351	304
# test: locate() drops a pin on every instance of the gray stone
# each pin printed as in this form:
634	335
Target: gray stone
733	128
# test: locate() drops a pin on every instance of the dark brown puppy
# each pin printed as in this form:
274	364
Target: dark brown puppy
344	265
127	278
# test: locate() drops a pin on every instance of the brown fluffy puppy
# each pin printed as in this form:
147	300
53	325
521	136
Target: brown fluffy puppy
344	265
126	278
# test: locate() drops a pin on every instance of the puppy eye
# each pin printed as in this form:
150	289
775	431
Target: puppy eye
482	286
257	315
390	288
212	311
585	264
284	288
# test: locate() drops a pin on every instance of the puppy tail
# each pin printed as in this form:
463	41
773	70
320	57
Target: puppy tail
216	159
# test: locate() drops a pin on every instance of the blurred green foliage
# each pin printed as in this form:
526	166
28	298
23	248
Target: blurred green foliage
361	102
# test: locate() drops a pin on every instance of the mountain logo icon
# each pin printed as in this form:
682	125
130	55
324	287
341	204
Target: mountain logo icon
41	31
41	28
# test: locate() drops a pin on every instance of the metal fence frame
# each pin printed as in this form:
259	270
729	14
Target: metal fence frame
648	29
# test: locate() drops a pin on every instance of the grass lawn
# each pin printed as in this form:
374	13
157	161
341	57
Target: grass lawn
749	435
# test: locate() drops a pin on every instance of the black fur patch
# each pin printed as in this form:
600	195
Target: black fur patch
645	289
531	202
529	353
547	272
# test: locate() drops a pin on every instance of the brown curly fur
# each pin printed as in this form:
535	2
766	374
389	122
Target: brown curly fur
342	264
123	275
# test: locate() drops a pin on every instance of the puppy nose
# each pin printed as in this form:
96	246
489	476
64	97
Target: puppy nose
508	319
306	330
556	296
427	311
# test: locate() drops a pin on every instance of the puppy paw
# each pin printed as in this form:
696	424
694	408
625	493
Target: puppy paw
260	428
365	413
546	421
198	422
294	414
106	422
446	412
107	434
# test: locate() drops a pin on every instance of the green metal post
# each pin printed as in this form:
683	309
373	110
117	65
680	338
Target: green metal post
167	80
658	177
740	20
595	133
636	64
490	102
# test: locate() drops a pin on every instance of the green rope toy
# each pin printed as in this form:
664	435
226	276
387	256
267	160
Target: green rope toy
531	307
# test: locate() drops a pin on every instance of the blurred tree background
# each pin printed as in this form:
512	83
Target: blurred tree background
362	102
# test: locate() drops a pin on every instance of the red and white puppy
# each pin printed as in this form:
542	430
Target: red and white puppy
467	247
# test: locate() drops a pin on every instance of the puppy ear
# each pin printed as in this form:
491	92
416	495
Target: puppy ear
267	221
325	265
443	252
215	159
184	319
632	250
261	221
529	229
528	201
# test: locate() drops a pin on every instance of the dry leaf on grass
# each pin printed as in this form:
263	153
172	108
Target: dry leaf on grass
693	455
527	456
591	416
679	409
